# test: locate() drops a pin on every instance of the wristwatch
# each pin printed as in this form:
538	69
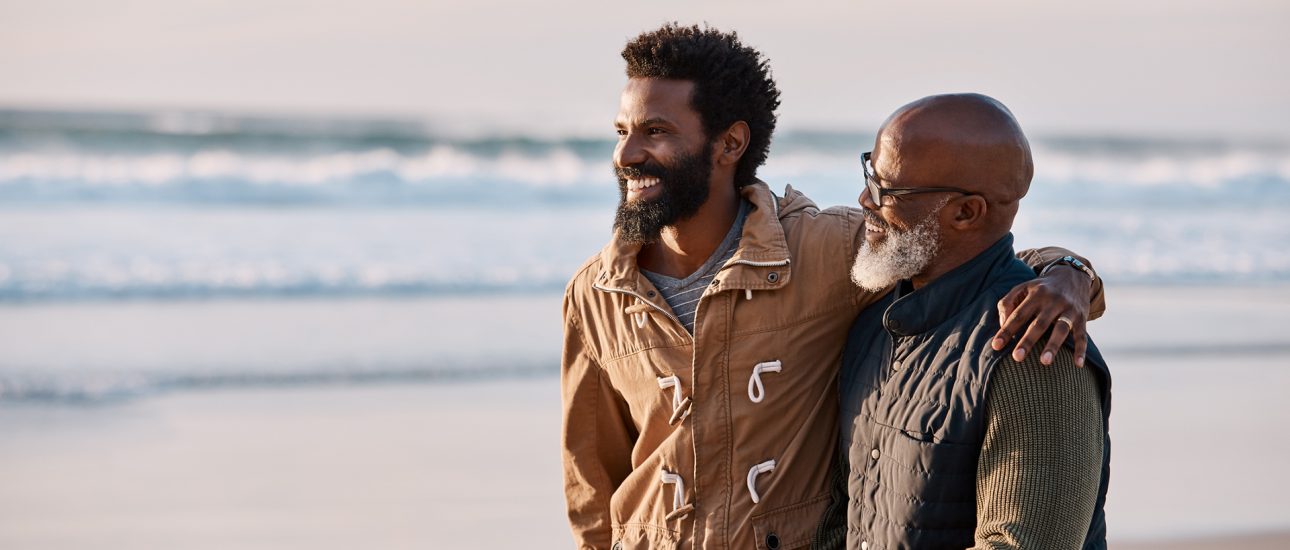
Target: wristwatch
1073	262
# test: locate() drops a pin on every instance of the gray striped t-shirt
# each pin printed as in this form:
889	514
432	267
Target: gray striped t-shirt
683	294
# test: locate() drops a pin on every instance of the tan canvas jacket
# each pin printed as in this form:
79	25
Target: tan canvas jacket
723	439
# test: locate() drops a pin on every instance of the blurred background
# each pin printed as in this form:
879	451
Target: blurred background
286	274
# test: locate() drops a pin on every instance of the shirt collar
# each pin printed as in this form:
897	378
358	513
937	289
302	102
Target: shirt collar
918	311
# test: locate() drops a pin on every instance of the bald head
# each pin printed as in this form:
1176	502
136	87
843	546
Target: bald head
972	153
969	141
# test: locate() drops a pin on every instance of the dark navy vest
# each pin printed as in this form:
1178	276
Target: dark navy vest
913	387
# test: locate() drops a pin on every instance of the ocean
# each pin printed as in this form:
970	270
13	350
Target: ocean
133	224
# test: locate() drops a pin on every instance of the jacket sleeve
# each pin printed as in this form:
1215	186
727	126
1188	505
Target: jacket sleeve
597	438
1039	258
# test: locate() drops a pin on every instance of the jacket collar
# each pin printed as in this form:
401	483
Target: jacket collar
762	249
918	311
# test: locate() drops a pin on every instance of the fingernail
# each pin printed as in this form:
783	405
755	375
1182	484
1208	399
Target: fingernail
997	344
1019	354
1079	362
1047	359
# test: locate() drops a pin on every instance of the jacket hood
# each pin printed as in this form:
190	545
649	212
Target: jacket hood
793	201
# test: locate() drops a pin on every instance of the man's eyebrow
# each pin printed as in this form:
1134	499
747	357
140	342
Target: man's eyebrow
647	122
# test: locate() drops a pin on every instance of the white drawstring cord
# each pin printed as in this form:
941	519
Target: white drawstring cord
678	496
752	478
748	293
756	391
680	407
674	383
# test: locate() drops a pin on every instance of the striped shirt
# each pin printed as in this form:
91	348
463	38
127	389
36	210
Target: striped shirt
683	294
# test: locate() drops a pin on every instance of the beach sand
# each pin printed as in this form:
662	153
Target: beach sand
1266	541
439	466
1200	375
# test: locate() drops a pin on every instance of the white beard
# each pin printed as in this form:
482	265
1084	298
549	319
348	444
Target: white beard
901	255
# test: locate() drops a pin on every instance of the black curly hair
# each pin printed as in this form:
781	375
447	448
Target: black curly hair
732	82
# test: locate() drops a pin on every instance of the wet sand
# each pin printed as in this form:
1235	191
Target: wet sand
1199	406
1269	541
447	466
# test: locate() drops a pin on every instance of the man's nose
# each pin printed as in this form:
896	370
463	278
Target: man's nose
628	152
866	199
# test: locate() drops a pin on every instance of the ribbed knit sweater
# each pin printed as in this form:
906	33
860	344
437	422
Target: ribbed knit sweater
1041	459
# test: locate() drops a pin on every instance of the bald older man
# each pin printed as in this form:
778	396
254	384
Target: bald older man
950	443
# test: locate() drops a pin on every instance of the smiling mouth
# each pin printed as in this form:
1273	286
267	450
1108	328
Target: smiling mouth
641	184
872	229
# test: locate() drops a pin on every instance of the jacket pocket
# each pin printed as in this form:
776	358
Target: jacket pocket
641	510
644	536
929	484
920	453
791	526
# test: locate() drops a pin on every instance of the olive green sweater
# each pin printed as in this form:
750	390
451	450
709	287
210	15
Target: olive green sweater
1041	460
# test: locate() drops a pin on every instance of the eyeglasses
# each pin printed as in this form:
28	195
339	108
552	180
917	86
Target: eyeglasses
878	192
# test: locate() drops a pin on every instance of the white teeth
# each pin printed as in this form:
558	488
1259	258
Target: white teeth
637	185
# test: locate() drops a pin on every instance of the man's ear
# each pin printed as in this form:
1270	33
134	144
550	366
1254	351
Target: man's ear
969	212
731	144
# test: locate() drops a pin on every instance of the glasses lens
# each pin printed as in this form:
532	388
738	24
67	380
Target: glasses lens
875	192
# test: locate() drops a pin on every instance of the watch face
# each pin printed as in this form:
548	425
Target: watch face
1086	269
1075	263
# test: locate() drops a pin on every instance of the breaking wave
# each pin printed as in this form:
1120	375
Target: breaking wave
203	159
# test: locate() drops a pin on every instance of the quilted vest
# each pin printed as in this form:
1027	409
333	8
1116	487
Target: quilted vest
913	389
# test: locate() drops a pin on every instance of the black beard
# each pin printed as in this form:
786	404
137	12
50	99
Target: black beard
683	190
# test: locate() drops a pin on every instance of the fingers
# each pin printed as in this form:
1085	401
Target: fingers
1081	342
1010	301
1036	307
1062	326
1010	322
1040	324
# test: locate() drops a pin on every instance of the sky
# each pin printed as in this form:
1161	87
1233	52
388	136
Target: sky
1146	67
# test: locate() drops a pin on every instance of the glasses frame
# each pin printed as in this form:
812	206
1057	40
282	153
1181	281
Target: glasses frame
877	192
